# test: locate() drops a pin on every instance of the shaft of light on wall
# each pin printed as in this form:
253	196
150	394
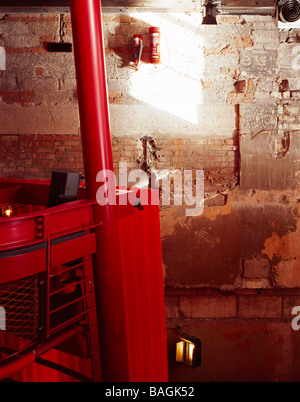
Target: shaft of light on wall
173	86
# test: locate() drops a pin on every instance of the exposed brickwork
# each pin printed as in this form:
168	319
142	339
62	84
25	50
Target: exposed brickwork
213	104
201	305
150	137
19	97
31	156
30	18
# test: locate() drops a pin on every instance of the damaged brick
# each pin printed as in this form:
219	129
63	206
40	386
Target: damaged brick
149	154
256	268
279	144
284	86
240	86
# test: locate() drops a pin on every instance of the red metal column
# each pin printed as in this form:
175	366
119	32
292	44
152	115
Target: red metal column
97	154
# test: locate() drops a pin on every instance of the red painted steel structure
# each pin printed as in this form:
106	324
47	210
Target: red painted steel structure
115	273
46	277
143	291
141	273
126	247
97	151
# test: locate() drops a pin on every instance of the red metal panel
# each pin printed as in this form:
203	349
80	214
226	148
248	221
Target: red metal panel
73	249
9	194
23	265
70	217
25	191
38	373
27	243
31	372
8	370
18	232
144	295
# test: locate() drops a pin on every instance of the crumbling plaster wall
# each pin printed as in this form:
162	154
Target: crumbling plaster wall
251	241
224	99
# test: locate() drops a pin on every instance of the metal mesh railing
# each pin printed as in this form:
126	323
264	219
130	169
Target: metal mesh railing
20	301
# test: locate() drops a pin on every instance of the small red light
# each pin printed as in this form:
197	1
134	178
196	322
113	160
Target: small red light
7	211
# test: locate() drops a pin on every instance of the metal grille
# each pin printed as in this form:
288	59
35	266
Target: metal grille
20	300
69	293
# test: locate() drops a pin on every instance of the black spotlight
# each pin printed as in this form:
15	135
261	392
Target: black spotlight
210	14
289	11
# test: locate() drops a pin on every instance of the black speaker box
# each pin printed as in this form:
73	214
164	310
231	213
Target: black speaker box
64	187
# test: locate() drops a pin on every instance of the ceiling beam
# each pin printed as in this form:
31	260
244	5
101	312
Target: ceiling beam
138	3
34	3
23	6
104	3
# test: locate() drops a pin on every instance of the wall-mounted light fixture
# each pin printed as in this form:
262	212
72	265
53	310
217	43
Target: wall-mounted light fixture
209	14
7	211
188	351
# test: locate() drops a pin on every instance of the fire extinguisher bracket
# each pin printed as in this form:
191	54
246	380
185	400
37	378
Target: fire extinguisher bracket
137	49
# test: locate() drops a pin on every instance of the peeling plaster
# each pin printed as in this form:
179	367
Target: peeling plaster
279	144
284	253
251	242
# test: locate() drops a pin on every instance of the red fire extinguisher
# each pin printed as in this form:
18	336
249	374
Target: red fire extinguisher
154	44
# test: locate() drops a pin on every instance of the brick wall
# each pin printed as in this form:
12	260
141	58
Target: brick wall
224	99
210	305
246	335
36	156
38	97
